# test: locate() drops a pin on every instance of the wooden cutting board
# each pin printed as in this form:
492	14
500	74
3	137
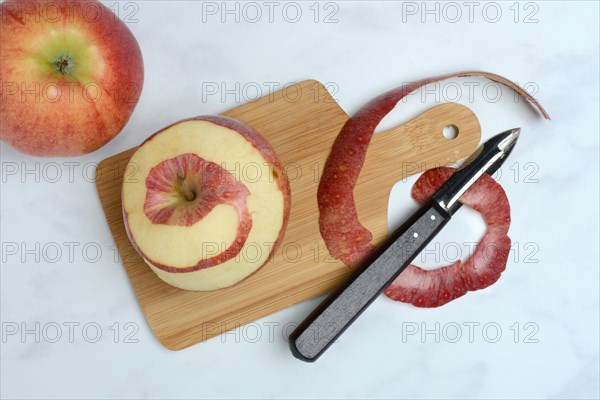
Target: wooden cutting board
301	124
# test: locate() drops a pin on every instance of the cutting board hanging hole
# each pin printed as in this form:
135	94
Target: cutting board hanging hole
450	132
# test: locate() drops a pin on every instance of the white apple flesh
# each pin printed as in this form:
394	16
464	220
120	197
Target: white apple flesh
207	204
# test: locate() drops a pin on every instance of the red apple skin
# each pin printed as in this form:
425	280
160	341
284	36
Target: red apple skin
269	155
65	116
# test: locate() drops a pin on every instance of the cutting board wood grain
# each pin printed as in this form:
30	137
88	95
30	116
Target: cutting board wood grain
301	129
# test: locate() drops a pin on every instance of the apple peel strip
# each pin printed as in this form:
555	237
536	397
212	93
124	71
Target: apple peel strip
434	288
345	237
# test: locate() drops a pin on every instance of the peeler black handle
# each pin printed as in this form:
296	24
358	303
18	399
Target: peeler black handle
329	320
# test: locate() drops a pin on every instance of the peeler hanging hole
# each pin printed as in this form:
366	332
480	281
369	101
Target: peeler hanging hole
450	132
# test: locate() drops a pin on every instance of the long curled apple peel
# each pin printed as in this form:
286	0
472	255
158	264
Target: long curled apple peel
434	288
345	237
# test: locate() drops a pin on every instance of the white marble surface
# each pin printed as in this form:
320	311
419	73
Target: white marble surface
549	293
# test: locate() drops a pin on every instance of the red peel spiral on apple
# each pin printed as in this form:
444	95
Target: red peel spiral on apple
184	189
345	237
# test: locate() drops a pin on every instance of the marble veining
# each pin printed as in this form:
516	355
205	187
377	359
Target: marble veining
534	334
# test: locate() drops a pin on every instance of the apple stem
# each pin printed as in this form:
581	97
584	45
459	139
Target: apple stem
185	190
188	193
64	64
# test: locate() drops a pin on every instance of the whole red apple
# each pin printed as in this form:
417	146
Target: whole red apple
71	74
